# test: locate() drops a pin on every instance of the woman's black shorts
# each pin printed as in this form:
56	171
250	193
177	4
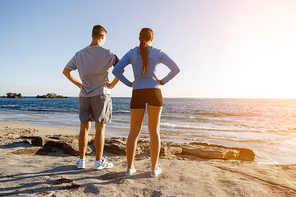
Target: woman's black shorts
140	97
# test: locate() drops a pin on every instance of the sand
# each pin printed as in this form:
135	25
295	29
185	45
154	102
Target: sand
56	174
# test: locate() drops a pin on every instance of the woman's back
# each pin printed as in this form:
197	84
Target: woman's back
147	80
155	57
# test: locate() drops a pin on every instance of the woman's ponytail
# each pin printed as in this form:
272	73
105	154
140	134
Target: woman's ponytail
146	35
144	54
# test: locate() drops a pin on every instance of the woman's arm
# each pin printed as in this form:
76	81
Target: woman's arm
166	60
119	68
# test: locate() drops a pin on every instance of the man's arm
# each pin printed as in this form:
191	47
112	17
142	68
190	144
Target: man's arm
68	73
114	82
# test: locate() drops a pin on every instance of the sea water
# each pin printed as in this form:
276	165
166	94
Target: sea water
267	126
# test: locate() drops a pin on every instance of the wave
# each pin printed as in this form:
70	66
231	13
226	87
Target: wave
114	120
121	112
37	109
274	141
176	126
263	129
216	114
175	117
231	128
190	118
11	108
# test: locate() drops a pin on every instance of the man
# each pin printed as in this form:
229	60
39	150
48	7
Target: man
93	64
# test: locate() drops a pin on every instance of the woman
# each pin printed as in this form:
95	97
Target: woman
144	60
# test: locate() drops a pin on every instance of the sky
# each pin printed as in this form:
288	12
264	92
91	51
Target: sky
224	48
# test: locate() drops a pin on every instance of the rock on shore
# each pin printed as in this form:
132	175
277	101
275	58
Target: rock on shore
68	144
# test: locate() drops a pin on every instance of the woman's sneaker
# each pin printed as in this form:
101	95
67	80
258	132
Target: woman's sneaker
130	171
155	173
101	164
80	163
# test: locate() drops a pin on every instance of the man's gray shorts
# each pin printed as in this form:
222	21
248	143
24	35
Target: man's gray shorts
96	108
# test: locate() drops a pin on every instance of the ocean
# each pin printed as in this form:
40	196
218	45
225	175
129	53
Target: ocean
267	126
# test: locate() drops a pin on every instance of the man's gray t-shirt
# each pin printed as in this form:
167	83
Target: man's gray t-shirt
93	64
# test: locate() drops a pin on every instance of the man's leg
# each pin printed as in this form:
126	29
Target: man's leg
83	138
100	140
102	112
100	162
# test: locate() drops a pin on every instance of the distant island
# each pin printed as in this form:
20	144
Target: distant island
19	95
51	95
12	95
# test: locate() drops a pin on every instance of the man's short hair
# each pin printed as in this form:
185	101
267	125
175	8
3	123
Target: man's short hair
98	31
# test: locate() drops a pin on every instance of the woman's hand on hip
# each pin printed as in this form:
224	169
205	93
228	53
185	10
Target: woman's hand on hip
133	82
158	80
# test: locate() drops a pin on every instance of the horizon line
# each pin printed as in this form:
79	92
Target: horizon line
189	97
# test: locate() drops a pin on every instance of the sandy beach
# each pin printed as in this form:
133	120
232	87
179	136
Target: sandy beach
25	173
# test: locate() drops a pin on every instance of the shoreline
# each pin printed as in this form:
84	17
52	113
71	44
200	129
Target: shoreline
54	174
63	130
46	130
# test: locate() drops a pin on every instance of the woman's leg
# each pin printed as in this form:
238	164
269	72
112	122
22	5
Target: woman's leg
154	113
137	116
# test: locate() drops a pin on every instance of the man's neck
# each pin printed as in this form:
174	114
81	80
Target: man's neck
95	42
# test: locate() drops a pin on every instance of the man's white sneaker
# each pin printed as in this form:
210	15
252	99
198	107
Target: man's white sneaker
155	173
101	164
130	171
80	163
